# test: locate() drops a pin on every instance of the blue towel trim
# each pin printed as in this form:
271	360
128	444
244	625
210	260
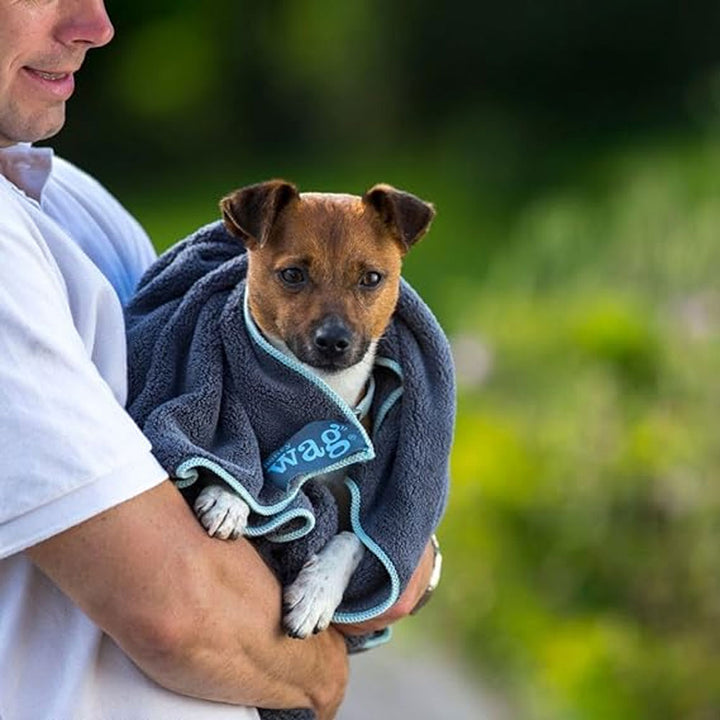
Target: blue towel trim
393	397
296	534
187	474
362	409
390	364
379	553
278	521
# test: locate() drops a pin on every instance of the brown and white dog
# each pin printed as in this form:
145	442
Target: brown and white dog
323	281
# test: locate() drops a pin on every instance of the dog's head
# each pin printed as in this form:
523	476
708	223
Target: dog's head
324	269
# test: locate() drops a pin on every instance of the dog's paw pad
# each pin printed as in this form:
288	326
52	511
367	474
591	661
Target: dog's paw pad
223	514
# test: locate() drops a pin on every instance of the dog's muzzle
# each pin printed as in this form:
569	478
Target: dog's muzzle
331	346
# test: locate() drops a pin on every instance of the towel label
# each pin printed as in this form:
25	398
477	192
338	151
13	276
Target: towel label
311	450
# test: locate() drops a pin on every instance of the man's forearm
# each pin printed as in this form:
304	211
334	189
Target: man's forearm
199	616
238	652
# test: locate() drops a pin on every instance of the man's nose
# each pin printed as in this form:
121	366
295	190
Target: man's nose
85	22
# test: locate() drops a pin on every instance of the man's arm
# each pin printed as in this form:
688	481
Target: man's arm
199	616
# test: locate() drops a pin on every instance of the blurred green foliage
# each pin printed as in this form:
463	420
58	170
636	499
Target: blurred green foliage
205	85
573	153
583	535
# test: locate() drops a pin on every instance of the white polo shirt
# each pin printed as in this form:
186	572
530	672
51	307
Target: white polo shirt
68	252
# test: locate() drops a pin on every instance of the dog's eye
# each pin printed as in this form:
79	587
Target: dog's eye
293	276
371	279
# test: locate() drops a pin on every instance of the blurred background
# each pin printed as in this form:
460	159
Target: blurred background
573	152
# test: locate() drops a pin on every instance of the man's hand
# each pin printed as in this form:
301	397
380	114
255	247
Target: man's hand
406	602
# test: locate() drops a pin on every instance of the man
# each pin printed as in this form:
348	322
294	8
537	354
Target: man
114	603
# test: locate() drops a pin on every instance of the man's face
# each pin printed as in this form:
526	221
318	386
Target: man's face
42	44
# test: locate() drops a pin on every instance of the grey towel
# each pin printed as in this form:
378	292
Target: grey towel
217	401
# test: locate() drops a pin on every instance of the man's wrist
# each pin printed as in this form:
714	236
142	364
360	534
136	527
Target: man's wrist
434	576
330	690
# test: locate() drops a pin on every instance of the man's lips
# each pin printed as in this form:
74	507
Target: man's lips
49	75
59	83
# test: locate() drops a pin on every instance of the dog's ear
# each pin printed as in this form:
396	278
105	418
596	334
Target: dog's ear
406	214
251	211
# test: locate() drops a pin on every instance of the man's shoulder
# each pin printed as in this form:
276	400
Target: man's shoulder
99	224
68	182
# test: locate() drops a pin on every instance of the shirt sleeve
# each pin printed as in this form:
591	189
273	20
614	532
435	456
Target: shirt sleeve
68	448
76	200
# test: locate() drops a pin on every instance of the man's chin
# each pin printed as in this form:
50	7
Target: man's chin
35	129
51	128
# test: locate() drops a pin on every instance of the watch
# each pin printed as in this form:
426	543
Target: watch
434	576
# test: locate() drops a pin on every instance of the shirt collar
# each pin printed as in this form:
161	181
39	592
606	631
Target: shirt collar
26	167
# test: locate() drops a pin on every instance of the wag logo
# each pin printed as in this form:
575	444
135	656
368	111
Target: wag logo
316	447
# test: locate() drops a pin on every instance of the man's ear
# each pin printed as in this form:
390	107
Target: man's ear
408	216
251	211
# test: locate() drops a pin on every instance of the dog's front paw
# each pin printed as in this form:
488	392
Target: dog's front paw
223	514
311	600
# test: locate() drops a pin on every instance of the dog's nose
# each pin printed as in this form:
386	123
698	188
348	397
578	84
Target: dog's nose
332	337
